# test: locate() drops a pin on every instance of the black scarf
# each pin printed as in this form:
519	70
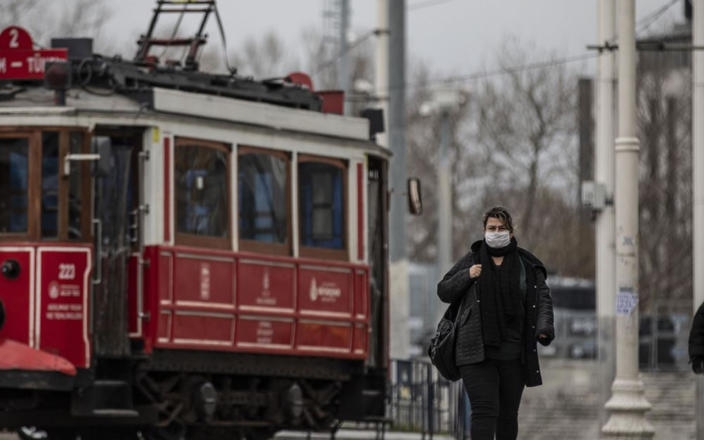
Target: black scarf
499	291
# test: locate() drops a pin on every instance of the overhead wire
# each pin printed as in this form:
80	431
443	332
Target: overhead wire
427	4
651	18
325	64
476	76
644	24
332	61
515	69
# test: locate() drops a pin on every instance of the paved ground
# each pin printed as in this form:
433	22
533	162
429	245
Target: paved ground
343	434
568	406
351	434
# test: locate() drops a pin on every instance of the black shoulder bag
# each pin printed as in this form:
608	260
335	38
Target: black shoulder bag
442	346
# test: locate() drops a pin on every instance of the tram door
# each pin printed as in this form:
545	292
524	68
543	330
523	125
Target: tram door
377	236
116	208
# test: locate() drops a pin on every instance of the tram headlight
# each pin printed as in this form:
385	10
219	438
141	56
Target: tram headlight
57	75
10	269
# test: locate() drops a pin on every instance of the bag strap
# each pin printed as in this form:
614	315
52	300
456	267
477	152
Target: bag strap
462	301
471	295
460	307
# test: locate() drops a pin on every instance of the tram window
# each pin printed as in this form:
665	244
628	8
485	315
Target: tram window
201	174
321	197
14	171
263	202
50	184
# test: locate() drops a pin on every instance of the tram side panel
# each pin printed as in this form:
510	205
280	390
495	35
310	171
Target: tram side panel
210	300
226	301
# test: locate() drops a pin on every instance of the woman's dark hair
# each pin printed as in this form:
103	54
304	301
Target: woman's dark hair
502	214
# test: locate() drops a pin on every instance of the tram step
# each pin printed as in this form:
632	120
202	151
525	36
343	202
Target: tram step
103	395
112	394
111	412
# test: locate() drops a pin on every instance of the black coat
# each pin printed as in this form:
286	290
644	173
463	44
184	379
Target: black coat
469	348
696	335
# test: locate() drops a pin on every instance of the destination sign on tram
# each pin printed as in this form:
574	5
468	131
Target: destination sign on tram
19	59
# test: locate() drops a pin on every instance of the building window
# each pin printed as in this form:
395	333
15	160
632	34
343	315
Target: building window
321	198
263	182
202	201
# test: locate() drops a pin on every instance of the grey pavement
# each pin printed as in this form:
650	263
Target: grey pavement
342	434
359	434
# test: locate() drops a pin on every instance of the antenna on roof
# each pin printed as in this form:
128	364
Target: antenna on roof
205	7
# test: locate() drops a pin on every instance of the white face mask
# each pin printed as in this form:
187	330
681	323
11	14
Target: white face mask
497	239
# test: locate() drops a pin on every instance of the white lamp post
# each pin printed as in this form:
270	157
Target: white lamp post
627	405
444	102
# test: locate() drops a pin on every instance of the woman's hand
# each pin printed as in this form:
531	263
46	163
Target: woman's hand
475	271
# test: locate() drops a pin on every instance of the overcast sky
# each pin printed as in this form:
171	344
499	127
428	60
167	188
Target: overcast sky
455	37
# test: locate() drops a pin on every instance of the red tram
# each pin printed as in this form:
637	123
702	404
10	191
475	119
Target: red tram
184	254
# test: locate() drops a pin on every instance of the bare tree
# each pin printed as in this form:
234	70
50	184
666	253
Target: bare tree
527	132
70	18
664	119
423	140
264	57
512	143
320	58
17	12
269	56
321	61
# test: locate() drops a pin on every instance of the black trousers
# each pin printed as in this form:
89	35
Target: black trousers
494	389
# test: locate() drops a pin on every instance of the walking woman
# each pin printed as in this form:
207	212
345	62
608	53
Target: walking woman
507	309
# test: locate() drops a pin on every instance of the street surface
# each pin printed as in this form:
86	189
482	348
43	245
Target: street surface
343	434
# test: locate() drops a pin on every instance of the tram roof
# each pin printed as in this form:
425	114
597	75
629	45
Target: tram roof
34	96
113	87
32	104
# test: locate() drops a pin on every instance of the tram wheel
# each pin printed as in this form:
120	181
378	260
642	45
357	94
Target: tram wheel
61	434
171	432
103	433
260	434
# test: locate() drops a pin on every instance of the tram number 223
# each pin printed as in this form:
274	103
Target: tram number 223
67	271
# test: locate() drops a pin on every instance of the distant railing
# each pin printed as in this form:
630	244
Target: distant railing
662	339
663	342
422	401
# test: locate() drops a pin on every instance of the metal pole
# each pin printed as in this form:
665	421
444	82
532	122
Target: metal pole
604	228
343	74
444	196
382	67
398	268
698	185
431	399
627	405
